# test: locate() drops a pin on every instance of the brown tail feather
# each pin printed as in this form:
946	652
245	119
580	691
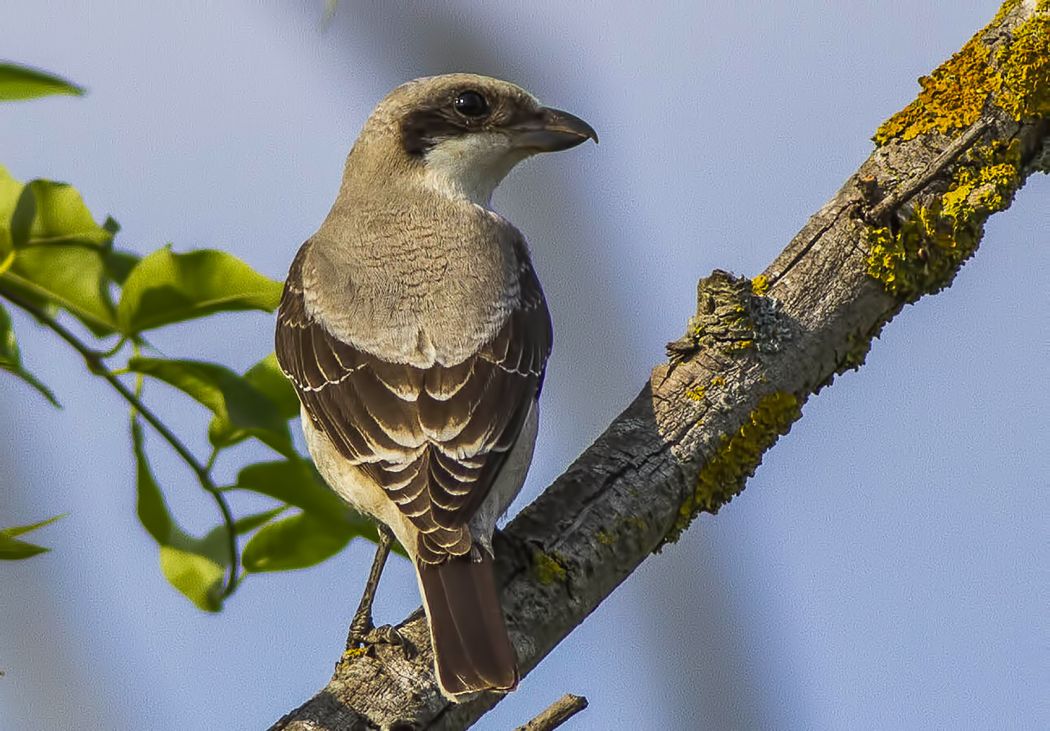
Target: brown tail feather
472	650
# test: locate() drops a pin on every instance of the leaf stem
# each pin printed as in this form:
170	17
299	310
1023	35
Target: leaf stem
96	365
211	458
116	348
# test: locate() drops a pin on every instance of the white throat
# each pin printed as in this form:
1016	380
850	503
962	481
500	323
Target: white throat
470	166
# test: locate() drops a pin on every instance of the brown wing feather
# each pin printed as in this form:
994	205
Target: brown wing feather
434	439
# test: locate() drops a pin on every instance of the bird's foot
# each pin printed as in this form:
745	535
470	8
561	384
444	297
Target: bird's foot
390	635
364	637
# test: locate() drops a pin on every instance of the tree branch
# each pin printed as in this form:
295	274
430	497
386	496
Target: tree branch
755	350
556	713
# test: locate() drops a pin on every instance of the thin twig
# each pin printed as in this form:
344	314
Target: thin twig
96	365
556	714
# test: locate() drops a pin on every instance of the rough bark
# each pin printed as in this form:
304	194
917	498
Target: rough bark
899	228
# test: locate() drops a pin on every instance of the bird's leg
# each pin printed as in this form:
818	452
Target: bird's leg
362	623
363	633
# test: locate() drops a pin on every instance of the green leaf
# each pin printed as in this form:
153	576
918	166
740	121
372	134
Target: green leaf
19	530
266	376
22	217
197	576
72	277
49	212
151	507
22	82
296	482
194	566
294	543
70	272
166	287
11	358
250	522
12	549
10	191
119	263
10	194
240	409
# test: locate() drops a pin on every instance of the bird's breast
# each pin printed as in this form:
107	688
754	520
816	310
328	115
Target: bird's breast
413	293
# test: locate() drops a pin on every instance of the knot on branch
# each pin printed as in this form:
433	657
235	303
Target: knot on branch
733	315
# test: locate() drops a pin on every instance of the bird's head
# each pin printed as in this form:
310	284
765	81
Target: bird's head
462	133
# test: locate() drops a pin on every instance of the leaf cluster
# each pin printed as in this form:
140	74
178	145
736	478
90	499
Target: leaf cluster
64	269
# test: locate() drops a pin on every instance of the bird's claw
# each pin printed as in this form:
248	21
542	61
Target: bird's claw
364	639
390	635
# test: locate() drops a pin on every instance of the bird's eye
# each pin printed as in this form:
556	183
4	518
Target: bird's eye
471	104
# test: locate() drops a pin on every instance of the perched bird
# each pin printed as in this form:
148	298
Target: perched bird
416	334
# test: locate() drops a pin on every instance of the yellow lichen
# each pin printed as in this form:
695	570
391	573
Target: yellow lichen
605	538
760	285
1004	9
725	473
697	393
923	253
352	653
547	568
954	96
1025	65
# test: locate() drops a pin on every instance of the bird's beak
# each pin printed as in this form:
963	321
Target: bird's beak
552	130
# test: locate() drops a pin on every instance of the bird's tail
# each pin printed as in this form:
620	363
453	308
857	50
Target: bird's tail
472	650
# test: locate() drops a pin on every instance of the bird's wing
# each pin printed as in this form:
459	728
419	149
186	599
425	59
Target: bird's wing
433	438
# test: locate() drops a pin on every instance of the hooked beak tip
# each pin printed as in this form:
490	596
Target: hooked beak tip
554	130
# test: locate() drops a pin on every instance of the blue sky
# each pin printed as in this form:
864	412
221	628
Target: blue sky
888	566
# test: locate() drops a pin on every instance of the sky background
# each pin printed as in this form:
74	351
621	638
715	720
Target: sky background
888	566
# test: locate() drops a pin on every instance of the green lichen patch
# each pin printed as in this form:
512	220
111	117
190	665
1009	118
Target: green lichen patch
922	254
736	459
857	349
548	568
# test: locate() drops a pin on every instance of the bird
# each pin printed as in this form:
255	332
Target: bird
416	334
